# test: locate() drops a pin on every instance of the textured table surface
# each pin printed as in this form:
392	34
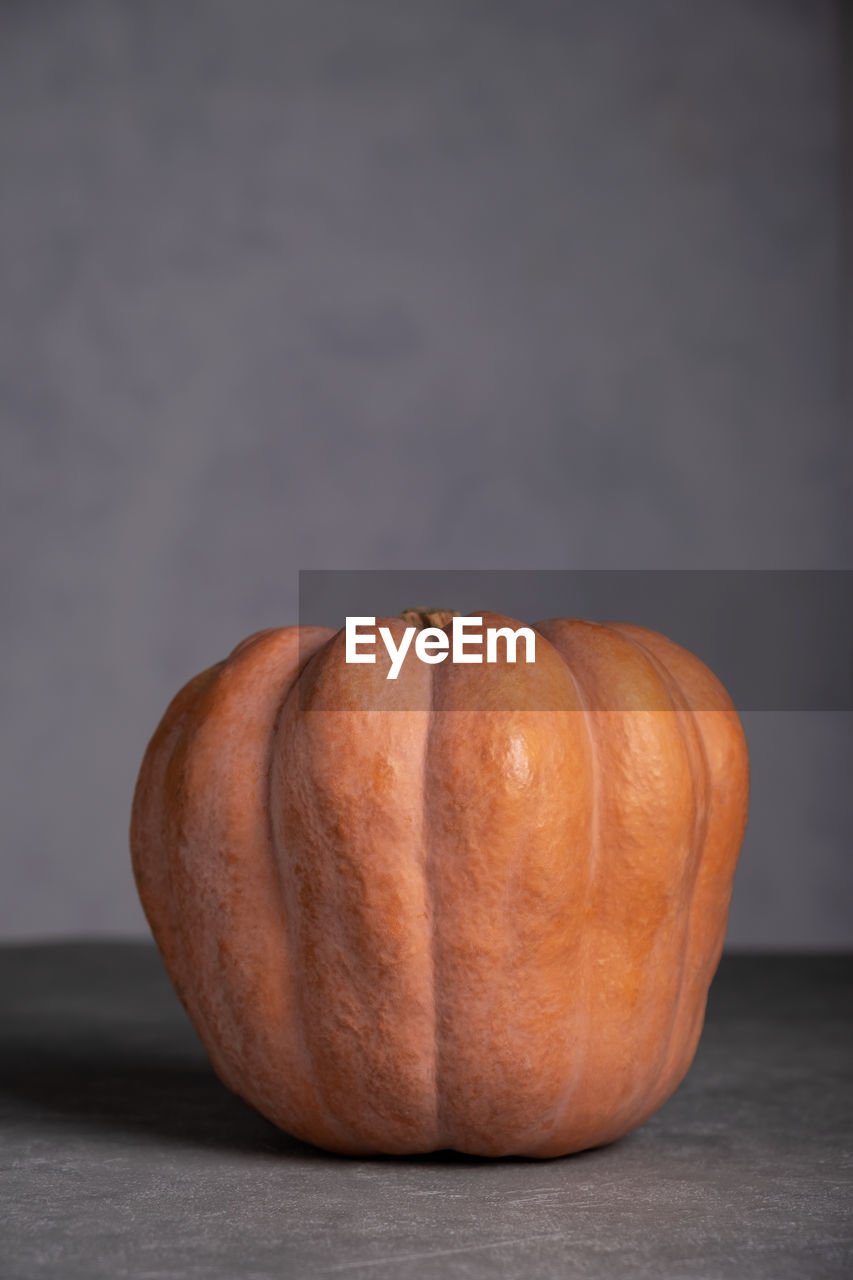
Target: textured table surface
122	1156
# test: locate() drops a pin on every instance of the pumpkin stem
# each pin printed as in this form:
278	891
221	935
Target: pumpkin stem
422	618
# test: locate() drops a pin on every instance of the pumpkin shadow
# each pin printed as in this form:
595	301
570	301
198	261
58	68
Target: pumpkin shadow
180	1103
94	1042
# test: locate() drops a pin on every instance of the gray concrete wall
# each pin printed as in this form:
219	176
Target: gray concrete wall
398	284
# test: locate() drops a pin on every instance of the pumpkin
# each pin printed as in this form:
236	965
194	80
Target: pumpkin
426	914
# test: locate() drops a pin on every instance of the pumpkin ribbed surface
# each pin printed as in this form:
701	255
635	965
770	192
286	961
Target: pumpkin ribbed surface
475	925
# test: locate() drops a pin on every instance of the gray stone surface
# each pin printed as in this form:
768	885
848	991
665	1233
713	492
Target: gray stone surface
123	1157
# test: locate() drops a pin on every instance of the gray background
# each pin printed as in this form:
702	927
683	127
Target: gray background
391	284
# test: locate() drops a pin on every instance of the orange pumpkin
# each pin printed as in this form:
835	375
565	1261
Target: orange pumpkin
472	924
